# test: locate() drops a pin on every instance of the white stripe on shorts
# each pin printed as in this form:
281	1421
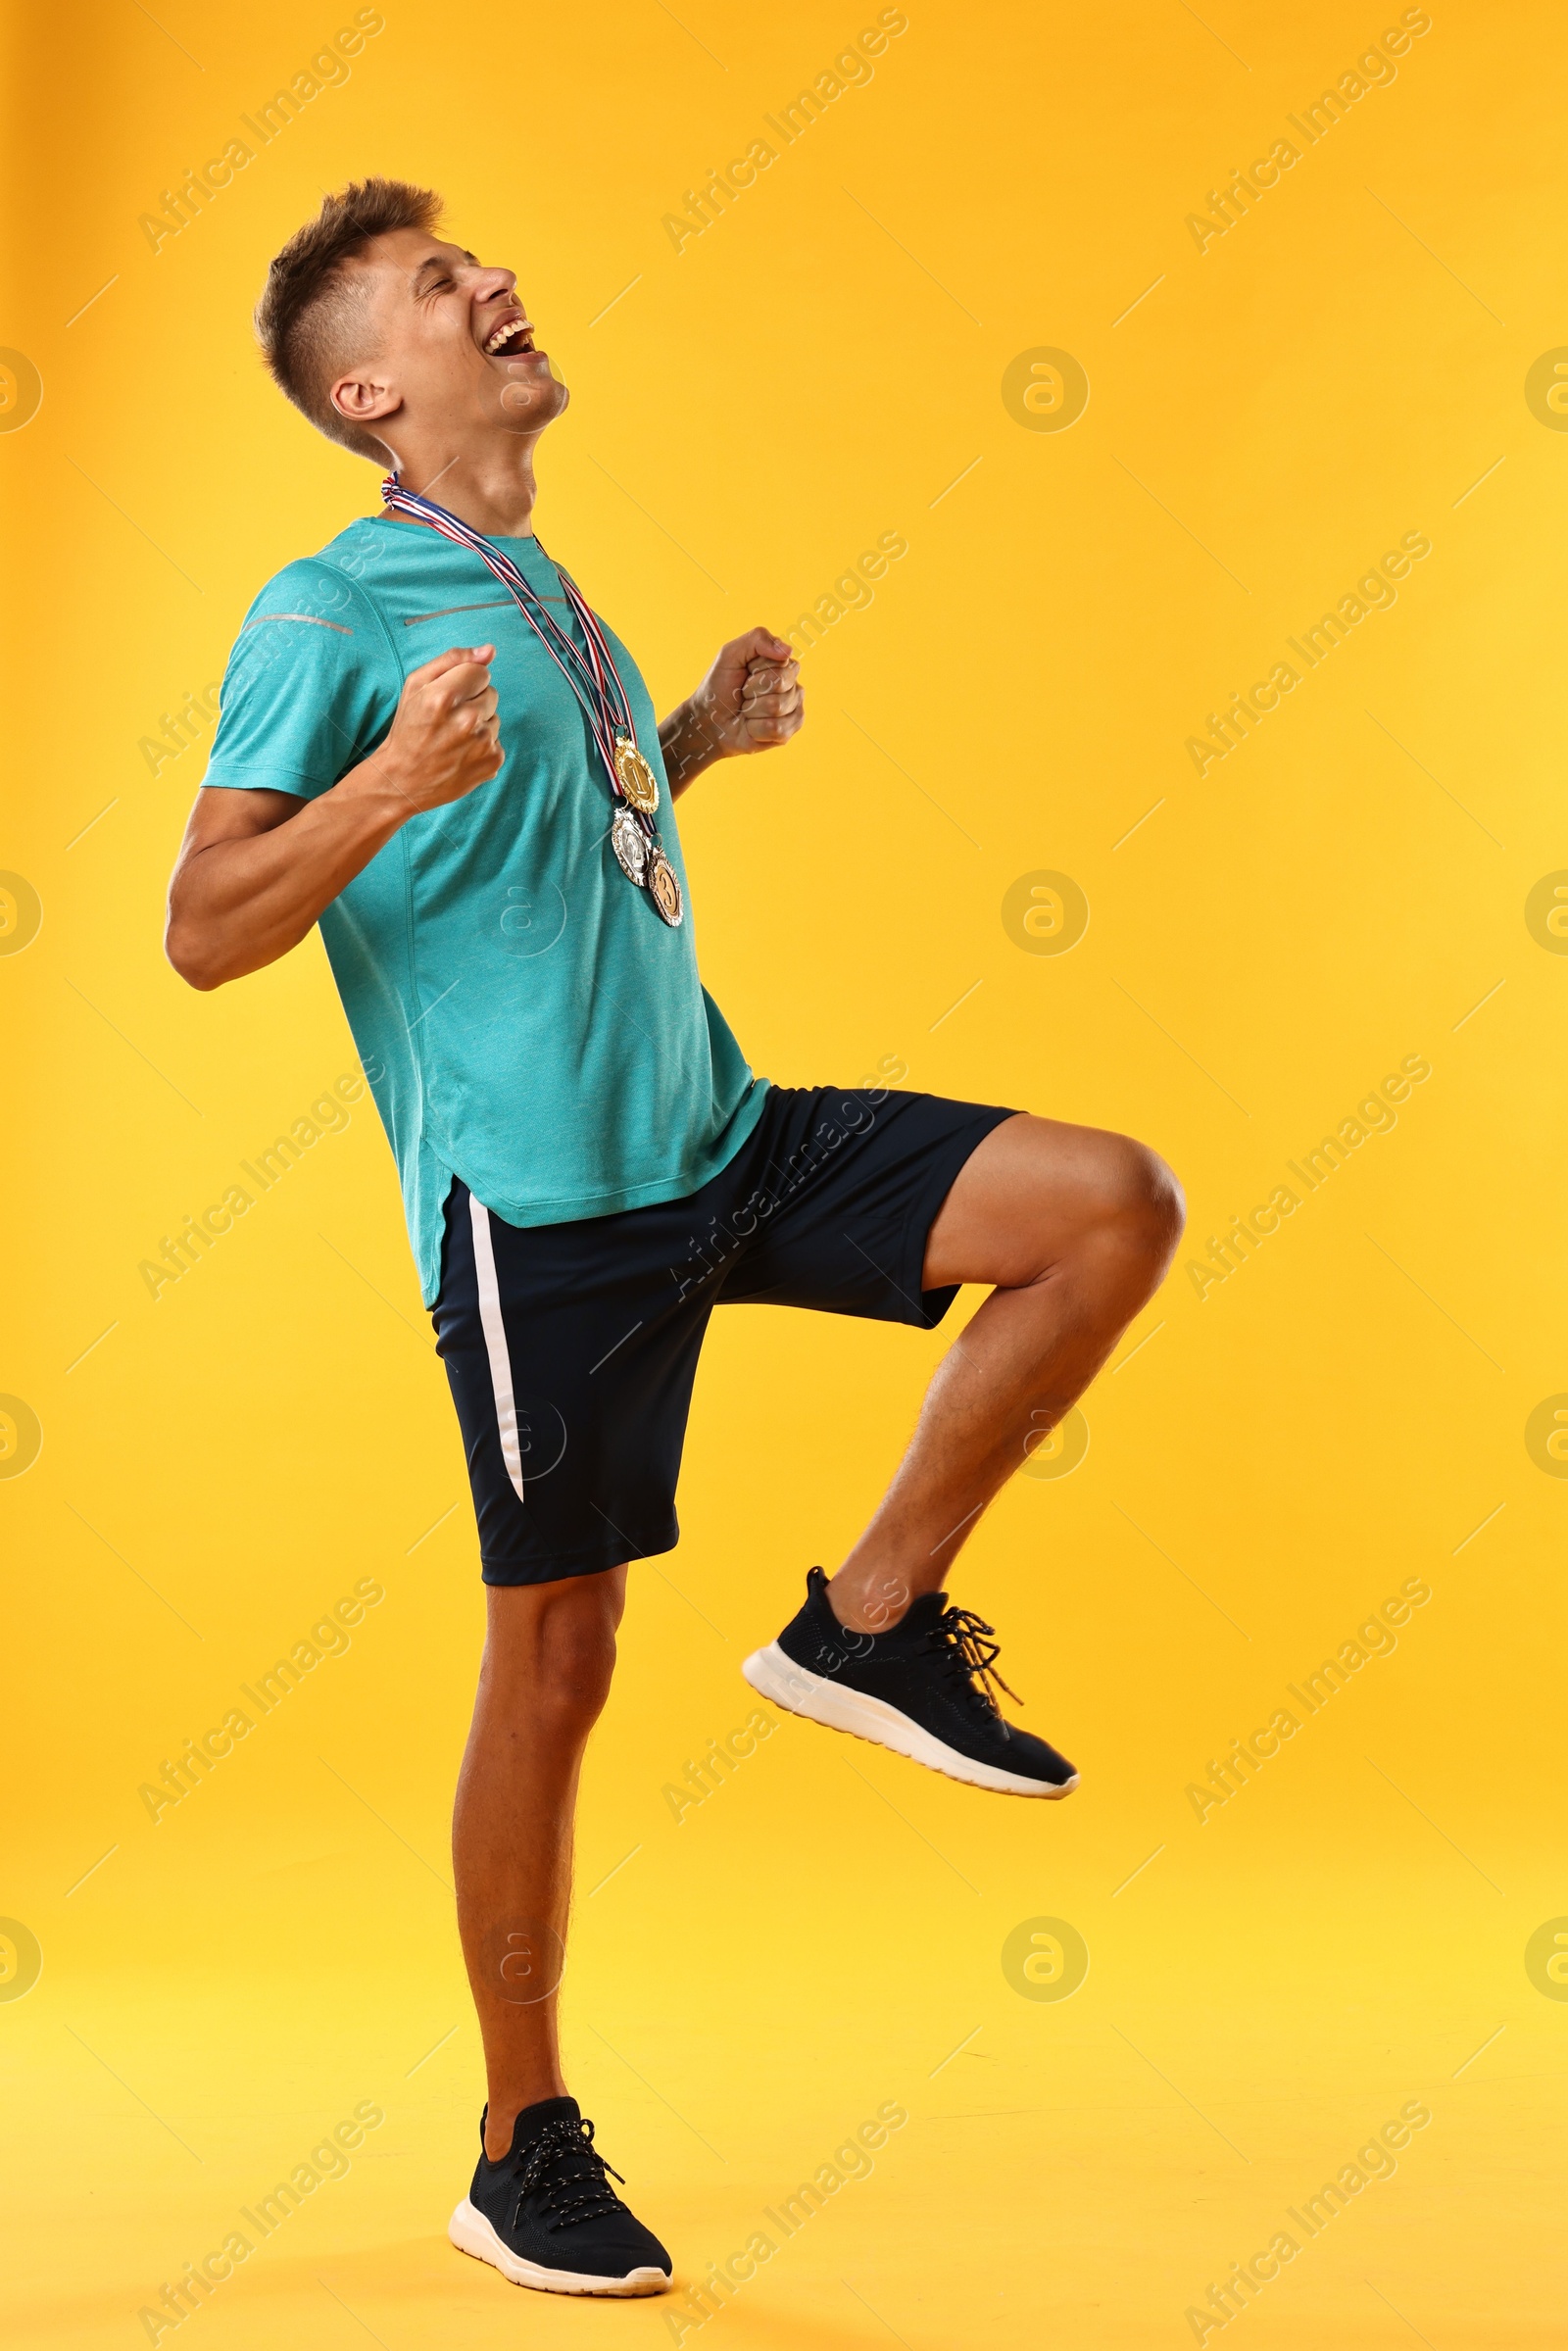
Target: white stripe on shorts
495	1341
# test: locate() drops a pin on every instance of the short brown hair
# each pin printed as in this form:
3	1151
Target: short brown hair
309	305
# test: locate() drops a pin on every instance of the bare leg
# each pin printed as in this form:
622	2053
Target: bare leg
1075	1228
550	1651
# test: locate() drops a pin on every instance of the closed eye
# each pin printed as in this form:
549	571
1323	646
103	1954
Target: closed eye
432	277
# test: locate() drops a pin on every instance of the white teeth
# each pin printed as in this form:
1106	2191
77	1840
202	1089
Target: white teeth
503	335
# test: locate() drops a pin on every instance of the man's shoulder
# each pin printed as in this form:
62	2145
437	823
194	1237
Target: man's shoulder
312	678
374	571
324	606
316	586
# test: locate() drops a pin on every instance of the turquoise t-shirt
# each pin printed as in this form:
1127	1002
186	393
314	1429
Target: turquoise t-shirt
526	1019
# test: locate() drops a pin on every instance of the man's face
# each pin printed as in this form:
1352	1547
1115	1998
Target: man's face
453	344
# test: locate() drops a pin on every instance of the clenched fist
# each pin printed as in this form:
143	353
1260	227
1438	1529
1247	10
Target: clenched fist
446	739
751	700
257	869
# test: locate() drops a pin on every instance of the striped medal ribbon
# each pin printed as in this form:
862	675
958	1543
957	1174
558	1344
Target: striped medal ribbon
597	684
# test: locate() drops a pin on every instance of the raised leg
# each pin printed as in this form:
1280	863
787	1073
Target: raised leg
1075	1229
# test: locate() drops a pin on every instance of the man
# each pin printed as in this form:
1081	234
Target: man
588	1165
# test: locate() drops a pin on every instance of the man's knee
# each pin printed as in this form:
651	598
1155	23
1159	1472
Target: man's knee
1138	1196
554	1648
576	1666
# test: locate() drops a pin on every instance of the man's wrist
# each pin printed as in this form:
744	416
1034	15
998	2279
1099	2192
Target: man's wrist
689	744
379	792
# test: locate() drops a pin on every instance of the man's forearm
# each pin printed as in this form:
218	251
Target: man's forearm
235	906
689	744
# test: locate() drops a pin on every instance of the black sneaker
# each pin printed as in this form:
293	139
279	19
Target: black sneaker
923	1689
547	2216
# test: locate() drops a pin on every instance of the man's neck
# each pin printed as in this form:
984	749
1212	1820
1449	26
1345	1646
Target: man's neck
491	489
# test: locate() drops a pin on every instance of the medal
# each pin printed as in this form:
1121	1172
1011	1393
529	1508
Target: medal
636	778
663	888
596	682
630	844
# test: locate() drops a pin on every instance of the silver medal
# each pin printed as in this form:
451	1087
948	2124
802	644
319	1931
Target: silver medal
630	844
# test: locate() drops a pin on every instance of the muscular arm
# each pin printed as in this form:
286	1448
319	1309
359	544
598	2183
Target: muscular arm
256	870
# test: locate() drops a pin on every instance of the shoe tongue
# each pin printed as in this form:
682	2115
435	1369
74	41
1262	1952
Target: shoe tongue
532	2120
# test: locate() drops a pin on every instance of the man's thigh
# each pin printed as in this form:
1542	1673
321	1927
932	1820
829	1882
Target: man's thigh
1032	1190
836	1191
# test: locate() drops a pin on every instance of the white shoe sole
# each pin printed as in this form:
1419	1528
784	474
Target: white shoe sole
777	1677
472	2232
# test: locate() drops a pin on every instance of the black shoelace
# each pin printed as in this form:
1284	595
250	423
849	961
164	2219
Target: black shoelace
967	1648
564	2167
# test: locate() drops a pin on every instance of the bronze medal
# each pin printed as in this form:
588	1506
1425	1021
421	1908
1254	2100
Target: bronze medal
635	777
663	888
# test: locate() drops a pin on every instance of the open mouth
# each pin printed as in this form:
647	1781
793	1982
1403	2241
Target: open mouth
510	340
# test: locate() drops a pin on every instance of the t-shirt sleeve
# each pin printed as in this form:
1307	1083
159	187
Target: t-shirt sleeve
312	686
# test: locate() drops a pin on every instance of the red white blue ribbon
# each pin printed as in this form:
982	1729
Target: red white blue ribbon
605	704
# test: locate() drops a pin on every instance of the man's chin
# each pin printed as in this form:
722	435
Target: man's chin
534	401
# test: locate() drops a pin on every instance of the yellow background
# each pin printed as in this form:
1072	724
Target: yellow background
1341	368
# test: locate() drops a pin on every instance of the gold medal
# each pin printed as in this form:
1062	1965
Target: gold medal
635	777
663	888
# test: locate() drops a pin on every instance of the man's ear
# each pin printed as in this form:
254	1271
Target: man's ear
365	396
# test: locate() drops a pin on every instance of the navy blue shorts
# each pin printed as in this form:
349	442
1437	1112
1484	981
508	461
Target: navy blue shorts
571	1348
